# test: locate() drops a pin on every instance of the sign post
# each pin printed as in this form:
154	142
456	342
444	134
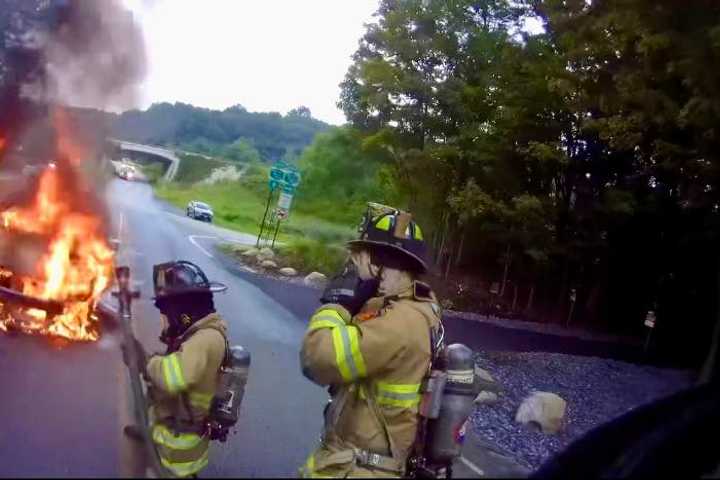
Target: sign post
284	178
650	324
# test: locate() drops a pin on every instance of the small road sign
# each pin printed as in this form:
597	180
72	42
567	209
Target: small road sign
285	201
650	319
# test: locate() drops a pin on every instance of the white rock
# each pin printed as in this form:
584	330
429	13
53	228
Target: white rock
288	272
251	252
265	254
268	264
487	398
315	279
544	409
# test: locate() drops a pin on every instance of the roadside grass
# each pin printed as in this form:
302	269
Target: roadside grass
240	206
312	238
305	255
235	208
194	168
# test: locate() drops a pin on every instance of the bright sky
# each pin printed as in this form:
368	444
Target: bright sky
267	55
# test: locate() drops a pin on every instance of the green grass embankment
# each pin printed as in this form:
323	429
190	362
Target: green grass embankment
312	237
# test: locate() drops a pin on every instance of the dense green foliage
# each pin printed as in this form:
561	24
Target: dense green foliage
233	133
584	157
338	170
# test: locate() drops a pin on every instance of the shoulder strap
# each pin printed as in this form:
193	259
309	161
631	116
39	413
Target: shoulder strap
226	358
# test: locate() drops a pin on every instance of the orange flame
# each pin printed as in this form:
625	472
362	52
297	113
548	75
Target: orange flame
76	269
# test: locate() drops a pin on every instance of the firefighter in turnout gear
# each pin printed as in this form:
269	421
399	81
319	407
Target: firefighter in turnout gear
370	343
182	382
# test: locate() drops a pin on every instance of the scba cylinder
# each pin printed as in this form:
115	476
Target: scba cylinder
446	433
225	407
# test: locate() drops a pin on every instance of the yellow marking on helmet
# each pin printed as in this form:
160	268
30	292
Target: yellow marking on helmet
384	223
418	233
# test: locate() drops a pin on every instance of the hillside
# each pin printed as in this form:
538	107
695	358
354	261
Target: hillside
234	132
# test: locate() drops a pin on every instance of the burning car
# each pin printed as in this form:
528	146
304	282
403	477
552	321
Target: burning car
55	258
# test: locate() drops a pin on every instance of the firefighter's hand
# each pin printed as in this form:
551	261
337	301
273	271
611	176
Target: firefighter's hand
348	290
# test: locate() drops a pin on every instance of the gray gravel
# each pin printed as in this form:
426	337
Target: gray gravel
597	390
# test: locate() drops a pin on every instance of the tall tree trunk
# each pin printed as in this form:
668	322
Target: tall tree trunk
562	298
531	296
441	250
515	296
506	270
458	257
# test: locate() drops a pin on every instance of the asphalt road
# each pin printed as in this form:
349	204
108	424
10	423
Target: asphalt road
62	406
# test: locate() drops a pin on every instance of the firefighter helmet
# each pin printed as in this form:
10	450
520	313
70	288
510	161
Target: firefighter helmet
396	231
180	277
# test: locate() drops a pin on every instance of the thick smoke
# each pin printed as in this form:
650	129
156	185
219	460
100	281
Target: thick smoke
59	58
81	53
96	56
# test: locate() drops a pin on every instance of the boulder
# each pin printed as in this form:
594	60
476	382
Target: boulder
484	374
250	252
288	272
269	264
266	253
315	279
544	409
487	398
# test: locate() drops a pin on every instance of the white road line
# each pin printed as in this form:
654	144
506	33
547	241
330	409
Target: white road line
472	466
121	226
194	242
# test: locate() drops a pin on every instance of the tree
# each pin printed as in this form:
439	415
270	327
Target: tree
584	157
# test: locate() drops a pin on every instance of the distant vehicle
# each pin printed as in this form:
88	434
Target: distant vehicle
200	211
126	172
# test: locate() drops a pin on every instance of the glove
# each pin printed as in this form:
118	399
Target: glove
348	290
136	350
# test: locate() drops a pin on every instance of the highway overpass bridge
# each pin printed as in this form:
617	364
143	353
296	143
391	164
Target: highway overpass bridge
155	153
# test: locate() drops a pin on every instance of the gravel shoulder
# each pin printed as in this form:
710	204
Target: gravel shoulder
596	390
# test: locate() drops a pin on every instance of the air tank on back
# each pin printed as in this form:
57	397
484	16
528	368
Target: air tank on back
446	432
225	406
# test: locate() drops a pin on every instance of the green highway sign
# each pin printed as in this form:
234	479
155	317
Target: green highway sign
283	175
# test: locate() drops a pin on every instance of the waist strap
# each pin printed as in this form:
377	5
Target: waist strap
377	461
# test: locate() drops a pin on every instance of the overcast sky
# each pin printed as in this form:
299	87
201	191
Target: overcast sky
267	55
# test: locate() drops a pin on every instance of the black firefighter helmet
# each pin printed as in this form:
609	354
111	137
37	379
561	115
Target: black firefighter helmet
184	295
182	277
396	231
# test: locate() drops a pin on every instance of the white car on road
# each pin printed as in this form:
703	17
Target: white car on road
200	211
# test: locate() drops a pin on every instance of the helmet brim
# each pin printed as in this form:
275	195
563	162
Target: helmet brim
419	262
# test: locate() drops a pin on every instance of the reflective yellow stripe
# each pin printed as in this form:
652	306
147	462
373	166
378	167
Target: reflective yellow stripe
418	233
384	223
173	374
308	470
356	353
184	469
201	400
326	319
184	441
398	395
340	355
348	357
